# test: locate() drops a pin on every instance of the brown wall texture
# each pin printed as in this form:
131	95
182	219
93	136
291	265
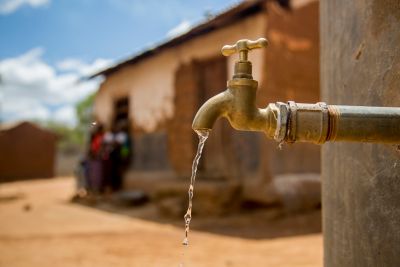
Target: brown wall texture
291	73
360	65
26	151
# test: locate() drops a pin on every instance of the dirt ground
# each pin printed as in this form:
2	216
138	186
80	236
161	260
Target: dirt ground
39	226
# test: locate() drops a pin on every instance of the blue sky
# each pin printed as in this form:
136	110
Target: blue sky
46	45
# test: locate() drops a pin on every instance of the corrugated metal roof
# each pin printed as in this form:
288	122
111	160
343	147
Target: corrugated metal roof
223	19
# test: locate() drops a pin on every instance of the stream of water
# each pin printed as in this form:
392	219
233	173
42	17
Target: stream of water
203	135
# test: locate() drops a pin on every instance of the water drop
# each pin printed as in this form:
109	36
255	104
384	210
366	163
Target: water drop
203	135
280	145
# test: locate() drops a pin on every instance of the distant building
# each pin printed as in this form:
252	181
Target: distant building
26	151
160	90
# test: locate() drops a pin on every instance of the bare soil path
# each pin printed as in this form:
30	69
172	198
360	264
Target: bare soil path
40	227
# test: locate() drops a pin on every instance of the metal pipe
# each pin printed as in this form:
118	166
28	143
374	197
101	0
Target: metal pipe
364	124
320	123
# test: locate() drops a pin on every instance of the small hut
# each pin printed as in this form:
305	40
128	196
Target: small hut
26	151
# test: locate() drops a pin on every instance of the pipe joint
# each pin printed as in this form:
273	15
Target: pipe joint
298	122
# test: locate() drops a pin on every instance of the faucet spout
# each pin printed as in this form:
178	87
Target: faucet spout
214	108
238	105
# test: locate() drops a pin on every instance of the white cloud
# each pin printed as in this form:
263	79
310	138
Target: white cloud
10	6
180	29
32	89
73	64
65	115
25	109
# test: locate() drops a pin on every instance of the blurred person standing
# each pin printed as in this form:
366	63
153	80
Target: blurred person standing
108	147
116	153
124	147
119	155
95	170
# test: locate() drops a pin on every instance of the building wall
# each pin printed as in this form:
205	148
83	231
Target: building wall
291	73
360	65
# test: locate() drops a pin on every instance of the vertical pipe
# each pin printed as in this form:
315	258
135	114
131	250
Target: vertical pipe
360	64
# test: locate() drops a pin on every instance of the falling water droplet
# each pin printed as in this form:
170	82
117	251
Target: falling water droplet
203	135
280	145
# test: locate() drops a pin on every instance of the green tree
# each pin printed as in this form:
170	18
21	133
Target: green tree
84	109
84	113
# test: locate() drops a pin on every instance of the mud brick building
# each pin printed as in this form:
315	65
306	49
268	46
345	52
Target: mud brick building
26	151
159	91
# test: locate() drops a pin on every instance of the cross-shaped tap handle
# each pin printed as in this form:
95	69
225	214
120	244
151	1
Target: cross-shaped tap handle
242	47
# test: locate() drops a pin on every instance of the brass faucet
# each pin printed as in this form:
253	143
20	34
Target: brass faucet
293	122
